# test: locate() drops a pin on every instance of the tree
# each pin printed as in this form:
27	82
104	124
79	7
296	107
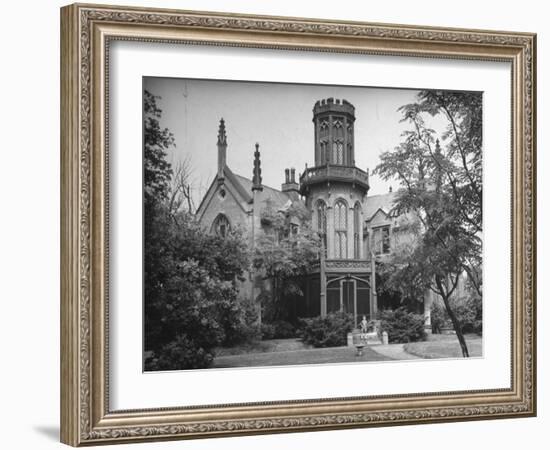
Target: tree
157	171
181	198
284	254
441	191
460	166
190	276
192	298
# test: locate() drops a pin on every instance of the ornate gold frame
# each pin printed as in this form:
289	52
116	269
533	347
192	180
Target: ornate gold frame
86	31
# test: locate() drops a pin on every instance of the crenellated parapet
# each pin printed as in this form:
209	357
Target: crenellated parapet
332	105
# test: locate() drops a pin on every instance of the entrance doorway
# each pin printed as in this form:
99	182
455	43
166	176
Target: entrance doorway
349	294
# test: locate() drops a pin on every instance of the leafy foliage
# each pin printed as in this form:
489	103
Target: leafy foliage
191	298
280	329
157	171
329	331
441	189
402	326
190	276
468	310
284	257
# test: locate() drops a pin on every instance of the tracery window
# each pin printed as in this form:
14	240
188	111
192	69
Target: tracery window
322	223
341	230
323	141
338	152
338	142
356	230
221	225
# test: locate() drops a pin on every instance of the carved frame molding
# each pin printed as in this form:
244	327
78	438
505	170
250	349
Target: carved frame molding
86	31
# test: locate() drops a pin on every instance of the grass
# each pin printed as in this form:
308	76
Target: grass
294	357
445	346
267	346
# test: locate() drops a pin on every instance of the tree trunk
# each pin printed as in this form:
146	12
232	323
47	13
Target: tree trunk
456	326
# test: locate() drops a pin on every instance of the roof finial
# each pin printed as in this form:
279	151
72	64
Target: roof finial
222	138
257	173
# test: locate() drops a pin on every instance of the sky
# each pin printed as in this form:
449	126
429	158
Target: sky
279	117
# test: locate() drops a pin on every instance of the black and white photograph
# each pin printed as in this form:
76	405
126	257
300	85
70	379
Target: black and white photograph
293	224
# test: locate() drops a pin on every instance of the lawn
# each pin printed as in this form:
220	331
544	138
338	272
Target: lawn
267	346
445	346
293	357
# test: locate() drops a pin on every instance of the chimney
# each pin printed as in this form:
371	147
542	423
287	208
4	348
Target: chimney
257	172
290	186
222	149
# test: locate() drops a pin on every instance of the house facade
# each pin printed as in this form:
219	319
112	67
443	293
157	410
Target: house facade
355	229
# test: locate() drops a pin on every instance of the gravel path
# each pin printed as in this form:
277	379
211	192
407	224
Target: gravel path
394	351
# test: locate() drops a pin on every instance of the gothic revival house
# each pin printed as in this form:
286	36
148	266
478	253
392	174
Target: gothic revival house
354	227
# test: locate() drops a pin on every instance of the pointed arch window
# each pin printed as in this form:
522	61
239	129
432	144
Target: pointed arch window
221	225
323	146
341	230
338	152
322	223
356	230
338	142
323	141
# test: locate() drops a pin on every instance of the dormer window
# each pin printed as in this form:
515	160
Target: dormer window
381	240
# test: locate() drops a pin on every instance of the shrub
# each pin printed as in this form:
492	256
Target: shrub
239	320
267	331
402	326
328	331
468	311
280	329
284	329
439	317
183	353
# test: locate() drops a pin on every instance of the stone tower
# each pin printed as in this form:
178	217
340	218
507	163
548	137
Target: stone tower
335	182
335	191
334	143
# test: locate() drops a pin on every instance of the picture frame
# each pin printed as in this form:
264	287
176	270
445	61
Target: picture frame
87	32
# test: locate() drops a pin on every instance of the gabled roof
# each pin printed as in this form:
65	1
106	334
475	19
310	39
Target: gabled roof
383	202
268	194
278	199
244	191
246	196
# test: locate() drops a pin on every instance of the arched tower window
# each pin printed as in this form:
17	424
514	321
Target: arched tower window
323	142
356	230
221	225
322	223
349	149
341	229
338	143
338	152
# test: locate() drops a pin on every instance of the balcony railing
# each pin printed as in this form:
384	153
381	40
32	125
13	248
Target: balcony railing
345	264
321	174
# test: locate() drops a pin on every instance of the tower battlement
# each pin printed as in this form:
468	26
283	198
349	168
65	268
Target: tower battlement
333	105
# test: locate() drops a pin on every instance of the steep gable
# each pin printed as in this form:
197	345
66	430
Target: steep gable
232	187
268	194
376	203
